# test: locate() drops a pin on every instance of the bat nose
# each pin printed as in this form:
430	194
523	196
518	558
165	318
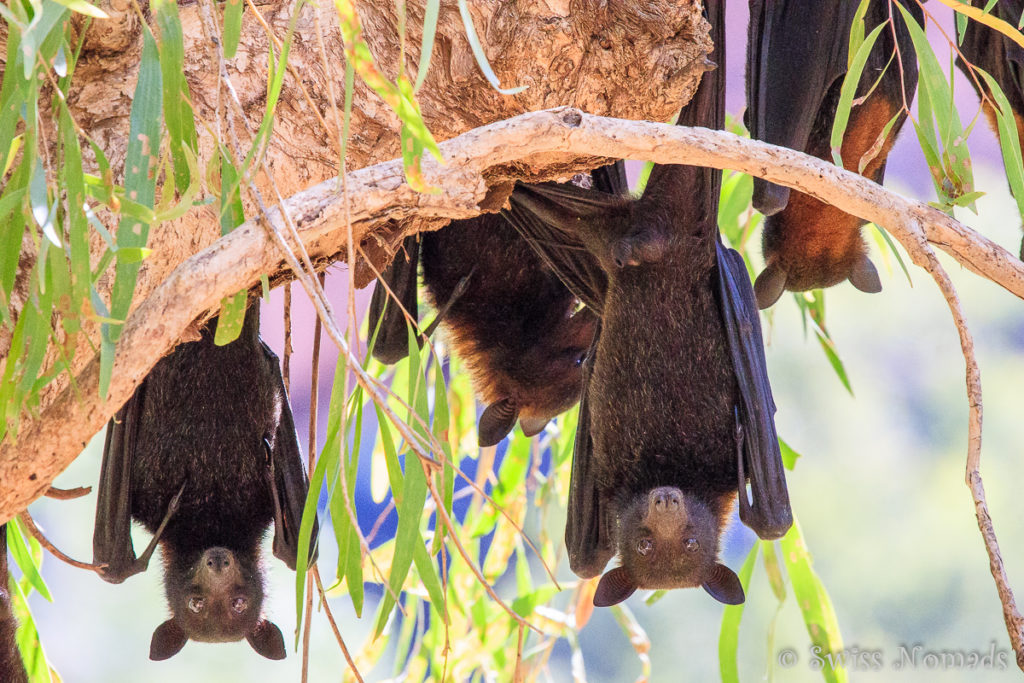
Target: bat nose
217	559
665	499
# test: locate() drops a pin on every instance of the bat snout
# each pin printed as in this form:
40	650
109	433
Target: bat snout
665	509
217	560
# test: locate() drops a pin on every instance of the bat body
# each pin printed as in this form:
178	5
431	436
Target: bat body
205	456
1001	58
676	410
797	56
509	318
12	668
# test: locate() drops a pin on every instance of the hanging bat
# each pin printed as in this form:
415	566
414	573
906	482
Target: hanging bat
12	668
676	412
205	456
508	317
797	54
1002	58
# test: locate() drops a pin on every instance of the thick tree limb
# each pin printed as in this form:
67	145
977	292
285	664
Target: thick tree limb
379	197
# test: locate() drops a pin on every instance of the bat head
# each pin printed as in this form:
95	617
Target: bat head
217	598
810	245
540	380
666	539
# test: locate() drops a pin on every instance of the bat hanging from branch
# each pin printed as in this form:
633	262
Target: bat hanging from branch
797	56
205	456
508	317
676	413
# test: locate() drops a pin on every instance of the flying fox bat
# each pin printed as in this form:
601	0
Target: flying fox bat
1002	58
676	412
12	668
205	456
508	316
797	54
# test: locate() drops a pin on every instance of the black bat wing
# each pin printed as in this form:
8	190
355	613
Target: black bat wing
547	216
386	316
768	514
587	537
289	482
611	179
111	537
796	50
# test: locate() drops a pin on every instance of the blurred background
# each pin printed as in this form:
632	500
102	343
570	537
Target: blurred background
879	490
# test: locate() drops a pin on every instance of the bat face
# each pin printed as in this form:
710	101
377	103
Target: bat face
667	539
216	599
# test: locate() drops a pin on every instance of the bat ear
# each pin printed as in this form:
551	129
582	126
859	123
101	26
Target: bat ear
864	276
532	426
724	585
769	198
267	640
168	639
615	586
770	284
496	422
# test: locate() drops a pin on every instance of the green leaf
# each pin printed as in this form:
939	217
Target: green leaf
813	599
181	129
1009	143
949	159
140	184
27	554
479	55
83	7
729	633
231	318
833	358
232	27
856	31
849	89
426	47
789	456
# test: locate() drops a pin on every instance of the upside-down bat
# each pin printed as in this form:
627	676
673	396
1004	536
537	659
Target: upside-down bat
1002	58
205	456
508	316
676	412
12	668
796	60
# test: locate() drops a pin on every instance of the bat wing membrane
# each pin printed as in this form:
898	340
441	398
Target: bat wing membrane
769	513
290	484
112	538
386	316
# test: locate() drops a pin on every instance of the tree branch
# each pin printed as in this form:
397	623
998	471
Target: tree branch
525	146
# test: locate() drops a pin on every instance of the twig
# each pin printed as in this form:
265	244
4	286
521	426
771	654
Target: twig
68	494
924	257
30	524
334	625
314	401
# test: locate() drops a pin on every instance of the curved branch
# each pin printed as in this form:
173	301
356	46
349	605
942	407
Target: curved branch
500	152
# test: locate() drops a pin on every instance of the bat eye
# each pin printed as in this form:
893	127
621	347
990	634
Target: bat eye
239	605
692	545
196	604
644	545
580	358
